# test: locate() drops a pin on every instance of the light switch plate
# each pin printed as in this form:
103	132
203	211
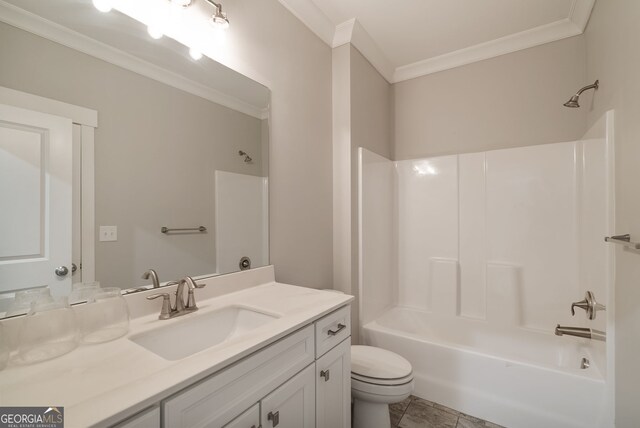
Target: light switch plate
108	233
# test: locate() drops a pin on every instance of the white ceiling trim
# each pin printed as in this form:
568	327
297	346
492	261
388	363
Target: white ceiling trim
311	16
352	32
39	26
526	39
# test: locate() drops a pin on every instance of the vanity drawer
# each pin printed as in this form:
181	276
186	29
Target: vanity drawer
145	419
332	329
223	396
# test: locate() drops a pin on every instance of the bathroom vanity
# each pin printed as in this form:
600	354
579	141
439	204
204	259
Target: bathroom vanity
284	361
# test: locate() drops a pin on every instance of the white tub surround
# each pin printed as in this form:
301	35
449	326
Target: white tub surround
517	378
467	264
103	384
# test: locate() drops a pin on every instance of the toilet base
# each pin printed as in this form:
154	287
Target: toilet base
370	415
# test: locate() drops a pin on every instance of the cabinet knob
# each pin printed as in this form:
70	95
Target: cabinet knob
274	418
325	375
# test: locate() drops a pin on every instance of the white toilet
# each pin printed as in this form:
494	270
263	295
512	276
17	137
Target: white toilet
378	378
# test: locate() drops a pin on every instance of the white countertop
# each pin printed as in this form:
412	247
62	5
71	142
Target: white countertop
99	385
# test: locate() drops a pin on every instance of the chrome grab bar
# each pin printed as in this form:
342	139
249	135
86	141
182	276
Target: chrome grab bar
165	229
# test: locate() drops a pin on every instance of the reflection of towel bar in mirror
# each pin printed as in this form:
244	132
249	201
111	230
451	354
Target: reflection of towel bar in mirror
624	240
188	229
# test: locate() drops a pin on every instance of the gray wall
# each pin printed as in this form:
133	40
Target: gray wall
512	100
268	43
156	152
361	118
613	57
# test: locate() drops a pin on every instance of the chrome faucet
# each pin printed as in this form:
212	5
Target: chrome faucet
587	333
154	277
179	308
589	304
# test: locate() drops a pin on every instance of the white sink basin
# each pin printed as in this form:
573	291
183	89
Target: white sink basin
197	332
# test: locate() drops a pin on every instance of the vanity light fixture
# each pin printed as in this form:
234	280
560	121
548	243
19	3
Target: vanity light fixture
219	18
103	5
155	32
195	53
183	3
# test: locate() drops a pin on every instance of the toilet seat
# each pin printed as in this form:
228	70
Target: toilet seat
384	382
378	366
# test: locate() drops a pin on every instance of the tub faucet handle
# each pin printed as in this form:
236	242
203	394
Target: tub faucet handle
589	304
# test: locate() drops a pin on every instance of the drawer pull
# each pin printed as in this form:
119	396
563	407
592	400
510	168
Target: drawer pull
274	418
325	375
336	331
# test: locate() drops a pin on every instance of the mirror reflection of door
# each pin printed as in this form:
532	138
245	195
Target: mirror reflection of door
36	192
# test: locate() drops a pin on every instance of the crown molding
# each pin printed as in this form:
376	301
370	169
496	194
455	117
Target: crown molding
311	16
343	33
526	39
32	23
353	32
581	12
370	49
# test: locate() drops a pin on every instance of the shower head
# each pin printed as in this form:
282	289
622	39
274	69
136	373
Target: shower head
247	158
573	102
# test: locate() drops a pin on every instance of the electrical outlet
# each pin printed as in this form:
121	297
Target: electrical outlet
108	233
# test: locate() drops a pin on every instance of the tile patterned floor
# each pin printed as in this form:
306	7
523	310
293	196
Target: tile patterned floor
415	412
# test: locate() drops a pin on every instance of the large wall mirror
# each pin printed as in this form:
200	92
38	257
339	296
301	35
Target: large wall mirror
177	143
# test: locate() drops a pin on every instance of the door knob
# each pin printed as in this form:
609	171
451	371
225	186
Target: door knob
62	271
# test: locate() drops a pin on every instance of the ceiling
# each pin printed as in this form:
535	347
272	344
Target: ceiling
411	38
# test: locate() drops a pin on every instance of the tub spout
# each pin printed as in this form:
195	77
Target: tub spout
587	333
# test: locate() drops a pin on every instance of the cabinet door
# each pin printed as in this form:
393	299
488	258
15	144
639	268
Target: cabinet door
293	404
249	419
333	387
218	399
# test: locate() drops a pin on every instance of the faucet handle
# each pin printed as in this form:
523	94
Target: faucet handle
582	304
191	299
589	304
165	312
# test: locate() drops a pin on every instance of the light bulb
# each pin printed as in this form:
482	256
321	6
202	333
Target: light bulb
195	53
103	5
220	22
154	32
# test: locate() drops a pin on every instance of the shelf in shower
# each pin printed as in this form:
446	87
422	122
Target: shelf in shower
624	240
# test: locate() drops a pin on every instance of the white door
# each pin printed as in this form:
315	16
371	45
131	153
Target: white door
35	222
293	404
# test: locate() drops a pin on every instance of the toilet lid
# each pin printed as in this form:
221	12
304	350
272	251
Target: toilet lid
377	363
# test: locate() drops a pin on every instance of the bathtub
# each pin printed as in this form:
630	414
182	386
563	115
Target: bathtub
517	378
